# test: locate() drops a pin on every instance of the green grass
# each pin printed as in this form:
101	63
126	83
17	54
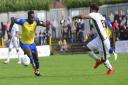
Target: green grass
65	70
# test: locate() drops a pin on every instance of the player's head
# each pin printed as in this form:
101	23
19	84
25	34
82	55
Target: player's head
31	16
94	7
12	19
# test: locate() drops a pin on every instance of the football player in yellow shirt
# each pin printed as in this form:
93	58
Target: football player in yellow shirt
27	38
109	32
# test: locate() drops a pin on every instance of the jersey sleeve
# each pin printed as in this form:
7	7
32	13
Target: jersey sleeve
109	24
20	21
92	15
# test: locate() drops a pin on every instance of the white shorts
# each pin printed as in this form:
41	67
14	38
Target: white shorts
96	44
14	43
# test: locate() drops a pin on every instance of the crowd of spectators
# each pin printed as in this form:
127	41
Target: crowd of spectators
119	21
120	25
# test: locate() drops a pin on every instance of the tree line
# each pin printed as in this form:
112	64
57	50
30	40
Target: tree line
23	5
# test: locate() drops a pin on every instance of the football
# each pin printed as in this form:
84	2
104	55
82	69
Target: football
25	60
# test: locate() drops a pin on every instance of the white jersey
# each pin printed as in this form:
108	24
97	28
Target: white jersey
100	24
14	43
101	42
14	30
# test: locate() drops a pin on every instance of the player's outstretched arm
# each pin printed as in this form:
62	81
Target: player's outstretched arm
77	17
82	17
85	17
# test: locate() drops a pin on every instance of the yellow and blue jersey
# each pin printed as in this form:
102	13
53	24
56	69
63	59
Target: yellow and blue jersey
108	32
28	31
109	28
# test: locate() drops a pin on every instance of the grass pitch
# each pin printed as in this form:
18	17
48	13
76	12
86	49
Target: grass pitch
65	70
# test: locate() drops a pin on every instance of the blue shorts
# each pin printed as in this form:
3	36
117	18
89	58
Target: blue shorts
32	47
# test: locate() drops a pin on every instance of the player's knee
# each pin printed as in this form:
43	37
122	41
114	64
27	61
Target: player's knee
89	46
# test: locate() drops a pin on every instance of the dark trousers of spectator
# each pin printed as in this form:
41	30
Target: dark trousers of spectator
82	37
113	39
41	41
69	31
77	34
54	32
47	40
0	41
73	37
65	35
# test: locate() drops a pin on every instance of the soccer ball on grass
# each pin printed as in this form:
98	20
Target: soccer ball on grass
25	60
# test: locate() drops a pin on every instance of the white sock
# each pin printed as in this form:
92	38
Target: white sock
93	55
107	64
19	57
115	55
8	57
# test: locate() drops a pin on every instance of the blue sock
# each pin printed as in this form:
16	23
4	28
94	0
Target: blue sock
111	50
32	60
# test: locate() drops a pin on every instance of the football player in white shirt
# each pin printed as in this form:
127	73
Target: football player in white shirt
101	42
108	32
14	42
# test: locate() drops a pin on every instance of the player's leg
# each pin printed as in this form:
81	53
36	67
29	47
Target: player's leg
16	43
105	60
37	65
113	52
93	45
109	66
27	50
29	54
19	57
11	45
7	61
35	57
104	53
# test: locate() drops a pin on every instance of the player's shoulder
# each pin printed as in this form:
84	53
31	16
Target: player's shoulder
21	21
94	14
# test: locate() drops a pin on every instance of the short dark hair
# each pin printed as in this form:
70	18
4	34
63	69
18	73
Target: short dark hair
12	18
30	12
94	6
